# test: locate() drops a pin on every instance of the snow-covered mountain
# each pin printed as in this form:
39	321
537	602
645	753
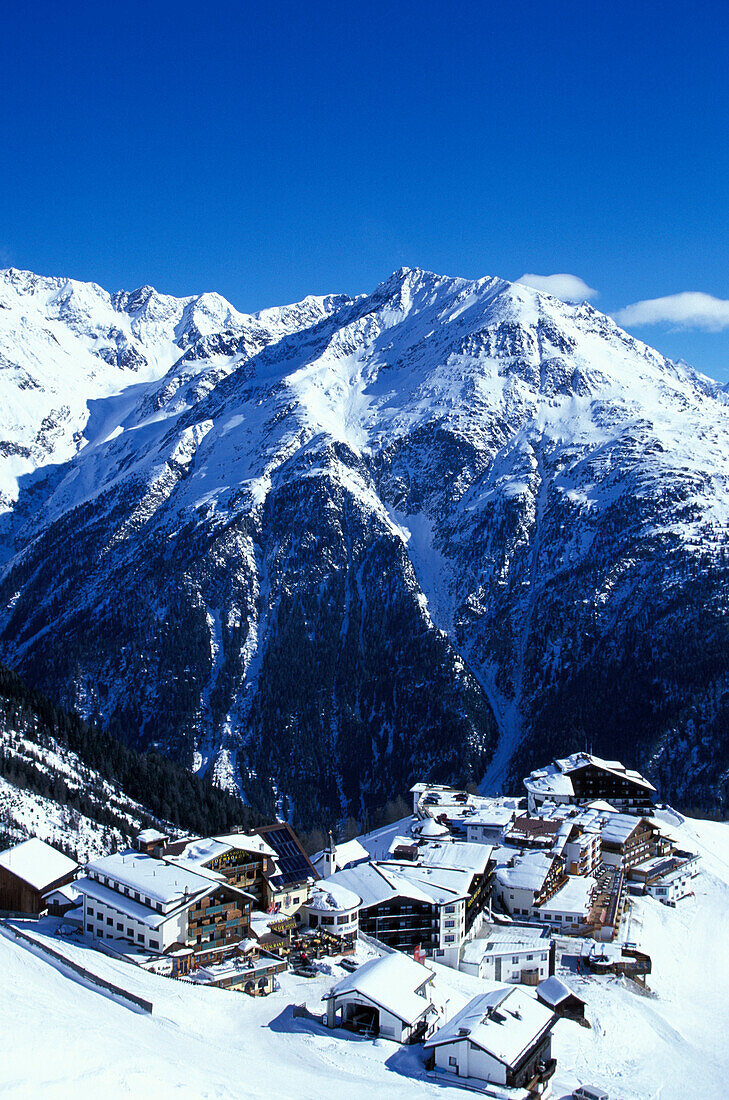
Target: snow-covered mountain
446	529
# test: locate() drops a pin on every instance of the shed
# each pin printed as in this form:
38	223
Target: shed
554	994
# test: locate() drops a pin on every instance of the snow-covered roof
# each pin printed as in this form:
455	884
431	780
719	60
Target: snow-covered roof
526	871
496	816
456	854
618	828
201	851
156	879
37	863
555	777
573	897
346	854
601	804
150	836
553	992
62	894
136	909
430	828
328	896
505	1023
378	882
441	885
246	843
391	982
505	941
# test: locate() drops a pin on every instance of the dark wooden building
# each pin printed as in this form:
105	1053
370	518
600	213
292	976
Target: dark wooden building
30	870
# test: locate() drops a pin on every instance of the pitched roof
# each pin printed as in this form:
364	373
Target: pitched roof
505	1023
37	863
555	777
346	853
553	992
391	982
157	879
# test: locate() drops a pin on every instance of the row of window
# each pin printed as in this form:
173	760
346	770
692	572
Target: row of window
126	890
154	944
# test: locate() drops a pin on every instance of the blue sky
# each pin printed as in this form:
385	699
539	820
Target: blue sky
270	151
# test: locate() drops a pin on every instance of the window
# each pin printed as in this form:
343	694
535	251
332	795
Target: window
452	1061
342	920
529	958
140	937
449	923
130	933
148	901
154	943
120	927
91	912
450	908
98	931
110	920
295	901
89	927
515	958
449	939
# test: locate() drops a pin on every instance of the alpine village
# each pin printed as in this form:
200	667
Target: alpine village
371	938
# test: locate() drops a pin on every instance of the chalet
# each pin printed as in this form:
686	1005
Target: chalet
555	995
389	997
568	908
502	1037
517	953
580	847
583	778
627	841
30	870
64	901
532	832
159	905
524	881
240	859
409	907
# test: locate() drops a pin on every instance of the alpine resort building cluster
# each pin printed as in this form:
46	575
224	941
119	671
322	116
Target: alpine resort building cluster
526	899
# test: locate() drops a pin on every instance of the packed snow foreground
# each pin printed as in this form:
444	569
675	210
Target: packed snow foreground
519	947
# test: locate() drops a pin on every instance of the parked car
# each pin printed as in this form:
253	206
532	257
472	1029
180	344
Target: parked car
349	964
589	1092
302	971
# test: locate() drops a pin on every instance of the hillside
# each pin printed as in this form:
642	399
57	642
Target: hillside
85	792
448	528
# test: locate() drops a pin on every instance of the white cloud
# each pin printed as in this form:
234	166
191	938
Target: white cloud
690	309
570	288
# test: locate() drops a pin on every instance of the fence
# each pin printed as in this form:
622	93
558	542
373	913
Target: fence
138	1002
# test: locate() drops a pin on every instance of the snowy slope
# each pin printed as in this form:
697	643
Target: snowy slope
209	1043
111	818
448	528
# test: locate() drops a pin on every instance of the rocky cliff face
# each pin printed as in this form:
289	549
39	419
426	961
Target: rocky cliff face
449	528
